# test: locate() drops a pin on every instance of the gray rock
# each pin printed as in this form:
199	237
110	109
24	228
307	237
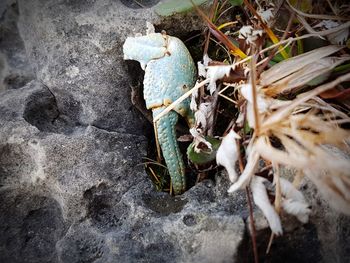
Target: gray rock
74	50
333	228
325	238
15	70
31	225
72	187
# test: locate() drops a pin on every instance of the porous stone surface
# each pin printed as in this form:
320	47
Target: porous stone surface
15	70
72	187
325	238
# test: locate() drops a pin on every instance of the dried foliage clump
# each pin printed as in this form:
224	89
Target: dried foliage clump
281	88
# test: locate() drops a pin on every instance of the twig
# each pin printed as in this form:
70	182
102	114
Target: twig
211	15
315	15
326	106
252	225
254	94
278	194
159	156
278	198
297	179
223	47
179	100
227	98
306	25
154	175
171	187
323	32
283	112
212	117
139	4
219	35
268	30
287	42
272	236
250	206
332	7
227	86
273	53
225	11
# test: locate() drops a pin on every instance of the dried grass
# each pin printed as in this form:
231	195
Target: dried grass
303	133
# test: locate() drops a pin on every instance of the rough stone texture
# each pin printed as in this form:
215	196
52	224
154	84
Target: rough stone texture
71	185
30	227
333	228
324	239
15	70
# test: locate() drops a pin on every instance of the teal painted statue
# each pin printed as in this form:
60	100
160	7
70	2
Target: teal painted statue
169	73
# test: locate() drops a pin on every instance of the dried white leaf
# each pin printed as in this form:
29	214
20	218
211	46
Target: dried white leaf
337	38
202	66
194	96
294	202
250	115
249	170
261	199
327	170
240	119
247	93
301	77
245	31
290	192
328	186
215	73
288	66
201	119
150	28
227	154
206	60
266	15
300	210
270	153
262	102
203	115
328	24
199	138
249	34
201	69
246	71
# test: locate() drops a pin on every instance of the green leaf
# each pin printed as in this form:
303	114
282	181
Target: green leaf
278	57
236	2
342	68
300	47
247	128
303	5
203	157
319	79
172	7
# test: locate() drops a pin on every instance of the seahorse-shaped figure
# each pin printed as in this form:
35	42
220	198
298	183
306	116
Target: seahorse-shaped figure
169	73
